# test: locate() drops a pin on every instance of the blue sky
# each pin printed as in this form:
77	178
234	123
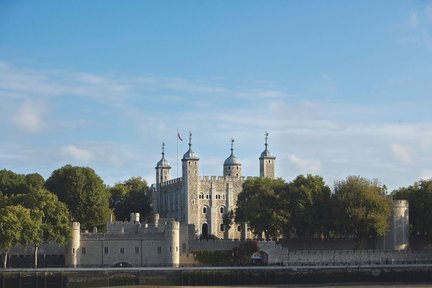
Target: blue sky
343	87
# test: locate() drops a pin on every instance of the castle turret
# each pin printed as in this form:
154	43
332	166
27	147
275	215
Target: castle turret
172	239
190	169
232	166
267	162
162	169
73	253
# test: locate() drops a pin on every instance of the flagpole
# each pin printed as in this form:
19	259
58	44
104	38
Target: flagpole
177	151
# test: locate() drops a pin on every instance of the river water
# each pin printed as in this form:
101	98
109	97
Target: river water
296	285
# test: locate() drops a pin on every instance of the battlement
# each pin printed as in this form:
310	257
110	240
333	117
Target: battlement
400	204
171	182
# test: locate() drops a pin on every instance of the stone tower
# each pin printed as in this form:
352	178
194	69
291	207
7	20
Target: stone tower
267	162
190	180
73	253
162	169
232	166
172	242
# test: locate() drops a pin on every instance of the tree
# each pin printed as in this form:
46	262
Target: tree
361	208
130	196
84	193
419	196
227	220
17	227
11	183
310	206
263	205
55	224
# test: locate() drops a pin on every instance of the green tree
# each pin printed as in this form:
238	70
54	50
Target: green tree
310	206
17	227
361	208
55	224
130	196
263	205
227	221
12	183
419	196
84	193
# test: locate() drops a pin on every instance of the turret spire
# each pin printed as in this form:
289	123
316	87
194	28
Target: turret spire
266	138
232	145
190	139
163	149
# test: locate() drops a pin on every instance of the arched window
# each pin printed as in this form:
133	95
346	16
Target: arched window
204	210
222	227
239	228
222	209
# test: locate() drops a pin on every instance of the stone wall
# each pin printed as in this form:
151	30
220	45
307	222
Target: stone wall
280	255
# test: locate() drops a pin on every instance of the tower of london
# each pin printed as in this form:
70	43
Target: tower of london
203	200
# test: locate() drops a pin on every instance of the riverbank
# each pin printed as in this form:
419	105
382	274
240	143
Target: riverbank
213	276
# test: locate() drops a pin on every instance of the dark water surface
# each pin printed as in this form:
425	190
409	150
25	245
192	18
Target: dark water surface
294	286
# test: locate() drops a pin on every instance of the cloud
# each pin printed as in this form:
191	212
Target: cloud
310	166
77	154
401	153
28	117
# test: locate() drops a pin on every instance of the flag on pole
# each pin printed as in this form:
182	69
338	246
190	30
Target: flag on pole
179	137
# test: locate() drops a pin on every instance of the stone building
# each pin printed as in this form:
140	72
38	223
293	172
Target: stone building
203	200
127	244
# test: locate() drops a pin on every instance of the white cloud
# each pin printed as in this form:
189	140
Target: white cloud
28	117
77	154
306	166
401	153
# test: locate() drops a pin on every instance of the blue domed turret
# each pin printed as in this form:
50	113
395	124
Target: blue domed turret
190	155
267	162
163	163
232	165
162	169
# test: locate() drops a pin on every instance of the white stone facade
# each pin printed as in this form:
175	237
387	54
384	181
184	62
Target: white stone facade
203	200
126	244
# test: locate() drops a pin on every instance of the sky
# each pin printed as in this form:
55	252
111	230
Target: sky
342	87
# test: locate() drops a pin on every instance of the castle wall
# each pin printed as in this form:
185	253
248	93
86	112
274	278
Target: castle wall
126	244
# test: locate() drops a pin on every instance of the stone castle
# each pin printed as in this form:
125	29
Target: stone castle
192	207
203	200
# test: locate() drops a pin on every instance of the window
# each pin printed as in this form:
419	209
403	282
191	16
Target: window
201	196
218	196
184	247
207	196
222	209
136	250
239	228
222	227
159	250
73	250
204	210
106	250
83	250
121	250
